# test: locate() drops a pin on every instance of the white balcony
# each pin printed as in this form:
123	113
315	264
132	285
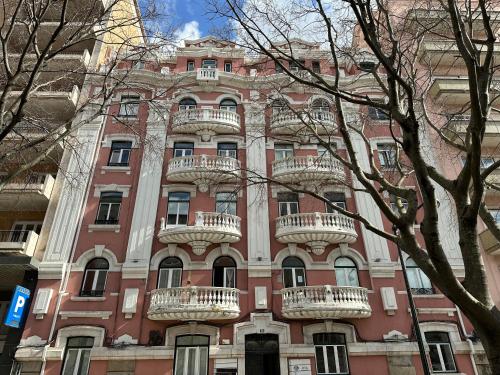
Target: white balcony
317	230
194	303
445	53
207	74
325	302
456	129
453	90
209	228
308	170
203	170
32	193
18	242
206	122
289	122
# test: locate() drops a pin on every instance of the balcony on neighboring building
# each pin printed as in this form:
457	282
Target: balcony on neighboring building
18	242
308	169
29	193
194	303
456	129
302	124
325	302
209	228
207	74
206	122
444	53
452	90
203	170
317	230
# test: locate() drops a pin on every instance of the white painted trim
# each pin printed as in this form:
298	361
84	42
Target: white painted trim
98	188
375	141
275	189
260	323
104	228
229	251
99	251
295	252
191	329
115	168
225	188
228	95
172	251
85	314
86	299
450	328
198	143
349	252
77	330
329	326
108	138
187	188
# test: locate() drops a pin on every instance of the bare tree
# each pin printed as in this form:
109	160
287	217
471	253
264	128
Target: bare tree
61	64
384	42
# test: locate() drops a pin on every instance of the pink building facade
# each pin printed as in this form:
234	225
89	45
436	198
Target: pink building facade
166	263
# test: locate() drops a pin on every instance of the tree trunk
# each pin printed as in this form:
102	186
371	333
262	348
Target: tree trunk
490	339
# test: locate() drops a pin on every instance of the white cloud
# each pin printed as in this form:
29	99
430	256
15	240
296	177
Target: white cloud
190	30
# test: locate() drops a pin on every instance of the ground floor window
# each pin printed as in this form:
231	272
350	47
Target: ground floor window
77	355
331	353
191	355
440	352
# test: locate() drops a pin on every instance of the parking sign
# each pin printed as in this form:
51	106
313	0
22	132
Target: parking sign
17	305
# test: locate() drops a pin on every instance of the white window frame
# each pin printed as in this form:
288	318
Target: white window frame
289	206
168	273
76	369
294	270
226	277
108	209
387	155
228	66
184	151
336	356
281	152
439	349
178	205
197	362
128	102
120	152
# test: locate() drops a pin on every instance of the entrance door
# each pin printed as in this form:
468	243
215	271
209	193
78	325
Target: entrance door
262	354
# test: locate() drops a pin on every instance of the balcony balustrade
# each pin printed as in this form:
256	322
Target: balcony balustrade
207	74
289	122
18	242
325	302
456	129
208	228
316	230
27	193
308	169
194	303
206	122
203	170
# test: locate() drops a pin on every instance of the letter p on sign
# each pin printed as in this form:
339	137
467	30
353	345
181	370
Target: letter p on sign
17	306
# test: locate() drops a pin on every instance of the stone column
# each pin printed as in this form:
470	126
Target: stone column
142	230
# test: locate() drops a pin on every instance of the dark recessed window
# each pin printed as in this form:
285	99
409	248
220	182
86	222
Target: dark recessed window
183	149
190	66
209	64
337	199
440	352
227	149
77	355
129	106
367	66
316	67
109	207
178	208
294	272
377	114
120	153
288	203
187	104
224	272
228	105
228	66
331	353
170	273
94	278
418	280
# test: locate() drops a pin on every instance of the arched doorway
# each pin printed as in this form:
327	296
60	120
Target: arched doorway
262	354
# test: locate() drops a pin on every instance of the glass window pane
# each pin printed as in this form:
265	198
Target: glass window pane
447	354
114	212
434	355
288	278
300	277
230	277
70	362
191	361
84	362
101	280
330	355
163	278
343	365
340	276
320	361
176	278
89	280
180	361
203	360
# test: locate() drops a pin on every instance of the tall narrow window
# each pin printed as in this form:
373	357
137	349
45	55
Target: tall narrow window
331	353
224	272
77	355
170	273
228	150
288	203
337	199
440	352
191	355
183	149
296	65
387	155
375	113
418	280
278	68
120	153
228	66
190	66
187	104
178	208
294	272
94	278
316	67
109	207
225	203
129	106
209	64
282	151
346	272
228	105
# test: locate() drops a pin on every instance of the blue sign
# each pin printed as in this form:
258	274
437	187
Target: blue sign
17	306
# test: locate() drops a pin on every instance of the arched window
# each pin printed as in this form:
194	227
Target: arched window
170	273
294	272
279	105
94	279
187	103
321	105
224	273
228	105
346	272
418	280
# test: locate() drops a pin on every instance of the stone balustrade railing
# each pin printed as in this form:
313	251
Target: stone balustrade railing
206	115
207	162
217	220
309	163
317	220
207	74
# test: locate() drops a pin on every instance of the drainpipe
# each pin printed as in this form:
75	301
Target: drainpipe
469	341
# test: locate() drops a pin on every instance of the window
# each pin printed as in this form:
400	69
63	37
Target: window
178	208
224	272
187	104
279	105
288	204
191	355
321	105
296	65
282	151
228	150
418	280
225	203
337	199
366	66
190	66
486	161
77	355
377	114
278	68
129	106
228	105
183	149
316	67
170	273
387	155
21	230
346	272
209	64
496	214
120	153
440	352
294	272
325	152
228	66
109	207
94	278
331	353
